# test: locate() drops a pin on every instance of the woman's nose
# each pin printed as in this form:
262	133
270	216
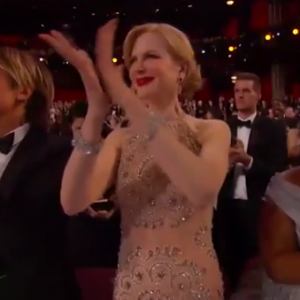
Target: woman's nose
140	66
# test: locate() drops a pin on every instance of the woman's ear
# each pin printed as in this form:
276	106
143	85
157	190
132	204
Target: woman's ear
183	71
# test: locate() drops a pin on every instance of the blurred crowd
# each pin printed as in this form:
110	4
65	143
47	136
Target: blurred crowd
63	113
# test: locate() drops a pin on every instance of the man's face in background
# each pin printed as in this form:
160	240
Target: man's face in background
246	96
289	112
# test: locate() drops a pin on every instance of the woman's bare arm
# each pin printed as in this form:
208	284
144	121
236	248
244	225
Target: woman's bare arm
278	245
87	177
199	177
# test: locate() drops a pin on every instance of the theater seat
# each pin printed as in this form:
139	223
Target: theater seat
96	283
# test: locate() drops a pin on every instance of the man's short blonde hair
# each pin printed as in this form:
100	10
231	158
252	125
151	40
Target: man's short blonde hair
27	72
250	76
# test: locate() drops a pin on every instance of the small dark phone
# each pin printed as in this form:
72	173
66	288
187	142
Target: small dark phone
233	141
103	204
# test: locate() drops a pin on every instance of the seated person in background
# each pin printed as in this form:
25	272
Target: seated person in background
293	145
94	237
92	242
78	112
290	117
214	113
280	236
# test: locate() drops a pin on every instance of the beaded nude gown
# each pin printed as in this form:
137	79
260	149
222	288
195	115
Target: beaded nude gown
166	251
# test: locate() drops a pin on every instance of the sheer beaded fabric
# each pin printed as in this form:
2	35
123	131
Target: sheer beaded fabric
166	251
287	197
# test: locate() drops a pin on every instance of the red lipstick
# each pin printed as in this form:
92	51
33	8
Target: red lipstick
143	80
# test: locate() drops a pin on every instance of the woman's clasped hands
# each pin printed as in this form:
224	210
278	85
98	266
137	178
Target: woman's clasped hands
111	75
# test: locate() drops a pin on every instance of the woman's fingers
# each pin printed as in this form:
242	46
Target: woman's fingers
104	44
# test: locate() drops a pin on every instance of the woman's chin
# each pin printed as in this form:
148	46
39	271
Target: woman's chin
147	96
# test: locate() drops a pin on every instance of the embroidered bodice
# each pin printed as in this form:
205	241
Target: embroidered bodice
166	250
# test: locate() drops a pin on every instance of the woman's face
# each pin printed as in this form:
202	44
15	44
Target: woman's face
152	70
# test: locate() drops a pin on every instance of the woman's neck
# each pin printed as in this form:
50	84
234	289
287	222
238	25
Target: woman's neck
169	111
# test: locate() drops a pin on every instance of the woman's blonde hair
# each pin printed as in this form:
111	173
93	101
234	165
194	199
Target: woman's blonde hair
27	72
179	48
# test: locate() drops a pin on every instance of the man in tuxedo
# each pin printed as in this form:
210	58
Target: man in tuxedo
258	151
32	160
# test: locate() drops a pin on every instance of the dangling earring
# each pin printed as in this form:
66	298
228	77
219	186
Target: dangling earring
179	87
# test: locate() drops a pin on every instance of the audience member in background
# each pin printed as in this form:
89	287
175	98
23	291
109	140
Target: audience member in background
230	107
258	151
264	112
293	145
199	109
222	105
264	104
210	104
271	113
290	117
93	235
214	113
278	110
32	222
61	125
77	114
113	120
289	112
280	237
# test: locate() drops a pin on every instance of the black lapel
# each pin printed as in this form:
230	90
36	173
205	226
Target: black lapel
232	123
28	153
255	128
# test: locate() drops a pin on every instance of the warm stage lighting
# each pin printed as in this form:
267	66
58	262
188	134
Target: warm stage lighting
231	48
295	31
230	2
114	60
268	37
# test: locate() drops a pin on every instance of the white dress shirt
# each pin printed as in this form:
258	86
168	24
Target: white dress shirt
240	189
20	133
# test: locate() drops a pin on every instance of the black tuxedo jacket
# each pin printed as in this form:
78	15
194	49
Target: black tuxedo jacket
32	222
267	146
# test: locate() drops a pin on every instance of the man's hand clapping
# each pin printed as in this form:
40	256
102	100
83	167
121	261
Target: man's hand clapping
237	154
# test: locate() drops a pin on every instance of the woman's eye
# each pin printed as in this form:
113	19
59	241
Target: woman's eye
132	60
151	56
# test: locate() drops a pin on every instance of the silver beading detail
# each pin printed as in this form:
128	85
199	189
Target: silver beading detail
85	147
154	122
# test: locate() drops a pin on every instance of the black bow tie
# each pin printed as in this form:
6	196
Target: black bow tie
6	143
241	123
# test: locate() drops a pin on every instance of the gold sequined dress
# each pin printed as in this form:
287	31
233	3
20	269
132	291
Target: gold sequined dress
166	251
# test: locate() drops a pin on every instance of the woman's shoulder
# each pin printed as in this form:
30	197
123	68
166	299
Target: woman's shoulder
284	189
292	177
286	180
204	127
